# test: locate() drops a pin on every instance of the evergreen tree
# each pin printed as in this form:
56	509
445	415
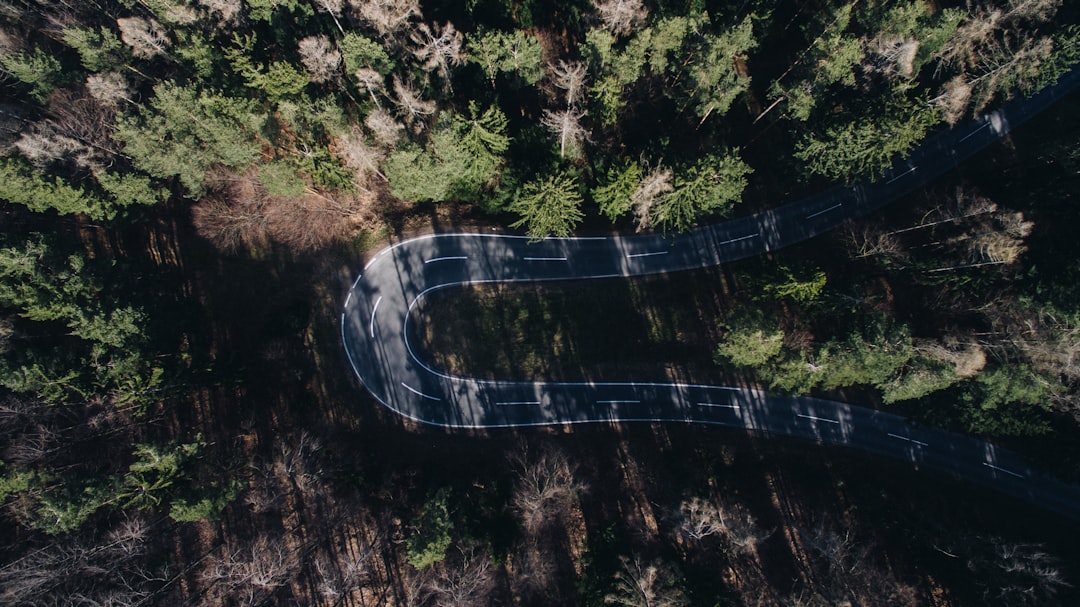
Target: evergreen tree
548	206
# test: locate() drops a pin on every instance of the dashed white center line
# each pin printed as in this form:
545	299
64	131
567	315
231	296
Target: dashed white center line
632	255
348	299
747	237
999	469
543	259
823	211
910	440
718	405
508	403
817	419
615	402
375	308
911	170
456	257
972	133
418	393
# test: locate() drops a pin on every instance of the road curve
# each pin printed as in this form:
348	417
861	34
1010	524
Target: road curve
375	326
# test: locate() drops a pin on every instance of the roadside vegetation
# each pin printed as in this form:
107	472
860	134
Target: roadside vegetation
189	186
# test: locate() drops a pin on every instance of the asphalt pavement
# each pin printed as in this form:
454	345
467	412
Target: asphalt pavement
375	326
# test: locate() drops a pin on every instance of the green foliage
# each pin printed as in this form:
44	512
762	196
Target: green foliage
278	80
864	144
1007	401
802	286
614	195
751	343
153	472
359	52
516	54
279	178
711	185
127	189
432	533
20	184
206	504
201	53
37	69
715	77
268	10
185	131
462	159
326	170
99	50
548	206
920	377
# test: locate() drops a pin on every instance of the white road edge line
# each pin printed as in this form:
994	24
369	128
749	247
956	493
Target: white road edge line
417	392
615	402
717	405
458	257
911	170
910	440
543	259
823	211
517	402
740	238
972	133
817	419
632	255
999	469
371	327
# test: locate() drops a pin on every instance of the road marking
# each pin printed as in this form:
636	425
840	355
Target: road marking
543	259
615	402
817	419
342	318
1003	470
912	169
717	405
910	440
517	402
444	259
632	255
348	299
972	133
371	327
823	211
415	391
740	238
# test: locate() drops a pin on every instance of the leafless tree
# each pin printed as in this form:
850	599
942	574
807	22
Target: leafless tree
546	485
646	584
339	573
109	89
621	16
232	216
438	48
383	127
42	145
371	81
570	77
734	524
320	58
358	156
465	579
146	37
251	574
332	8
386	16
954	99
656	184
567	128
414	107
227	10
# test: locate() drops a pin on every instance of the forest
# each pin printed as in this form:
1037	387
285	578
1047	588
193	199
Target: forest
188	188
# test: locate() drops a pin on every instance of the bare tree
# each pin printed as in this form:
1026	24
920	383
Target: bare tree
641	584
227	10
386	16
146	37
320	58
438	48
232	216
546	485
621	16
109	89
567	128
701	518
570	77
383	127
332	8
358	156
954	99
408	99
656	184
252	574
465	579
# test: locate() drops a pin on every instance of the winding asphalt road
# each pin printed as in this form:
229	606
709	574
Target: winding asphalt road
375	326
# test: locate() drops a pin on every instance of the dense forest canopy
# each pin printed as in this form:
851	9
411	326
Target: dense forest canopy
164	161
